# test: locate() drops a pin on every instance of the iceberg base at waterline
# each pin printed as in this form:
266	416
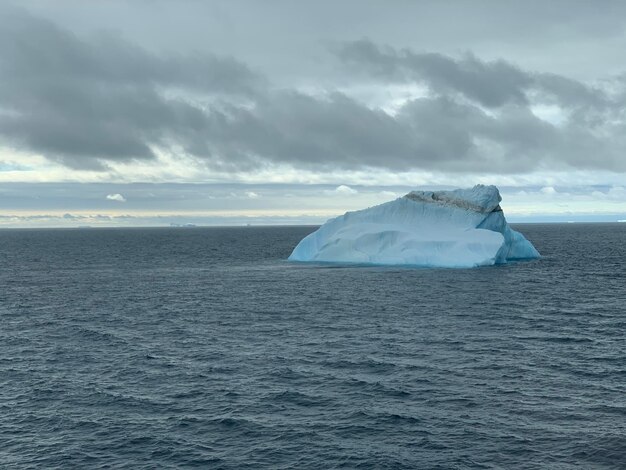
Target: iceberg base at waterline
458	228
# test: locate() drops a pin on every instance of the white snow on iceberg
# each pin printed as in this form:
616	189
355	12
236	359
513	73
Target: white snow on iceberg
459	228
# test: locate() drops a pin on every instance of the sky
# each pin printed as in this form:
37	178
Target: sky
155	112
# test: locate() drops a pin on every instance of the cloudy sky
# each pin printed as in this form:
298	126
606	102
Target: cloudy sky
150	112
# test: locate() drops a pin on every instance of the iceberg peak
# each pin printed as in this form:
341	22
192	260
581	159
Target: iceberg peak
480	198
458	228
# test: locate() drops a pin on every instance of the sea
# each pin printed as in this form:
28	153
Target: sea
158	348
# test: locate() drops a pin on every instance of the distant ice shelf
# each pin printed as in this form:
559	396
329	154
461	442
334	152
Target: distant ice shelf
460	228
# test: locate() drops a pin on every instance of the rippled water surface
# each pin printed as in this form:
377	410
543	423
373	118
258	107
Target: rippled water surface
178	348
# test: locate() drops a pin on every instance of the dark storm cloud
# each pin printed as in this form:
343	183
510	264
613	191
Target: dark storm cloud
86	102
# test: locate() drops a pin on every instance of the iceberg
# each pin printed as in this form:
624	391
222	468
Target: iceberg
456	229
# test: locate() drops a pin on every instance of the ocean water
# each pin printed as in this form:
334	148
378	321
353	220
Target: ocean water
203	347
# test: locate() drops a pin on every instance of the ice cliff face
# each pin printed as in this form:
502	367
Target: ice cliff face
460	228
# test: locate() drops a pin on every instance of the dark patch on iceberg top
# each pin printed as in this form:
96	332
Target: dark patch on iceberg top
480	198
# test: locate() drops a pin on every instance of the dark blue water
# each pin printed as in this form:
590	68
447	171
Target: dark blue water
179	348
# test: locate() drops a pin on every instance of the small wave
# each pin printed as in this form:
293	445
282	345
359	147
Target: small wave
297	398
556	339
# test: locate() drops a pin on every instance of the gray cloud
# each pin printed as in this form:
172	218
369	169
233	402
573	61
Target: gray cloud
32	44
88	102
332	131
490	83
437	133
284	39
